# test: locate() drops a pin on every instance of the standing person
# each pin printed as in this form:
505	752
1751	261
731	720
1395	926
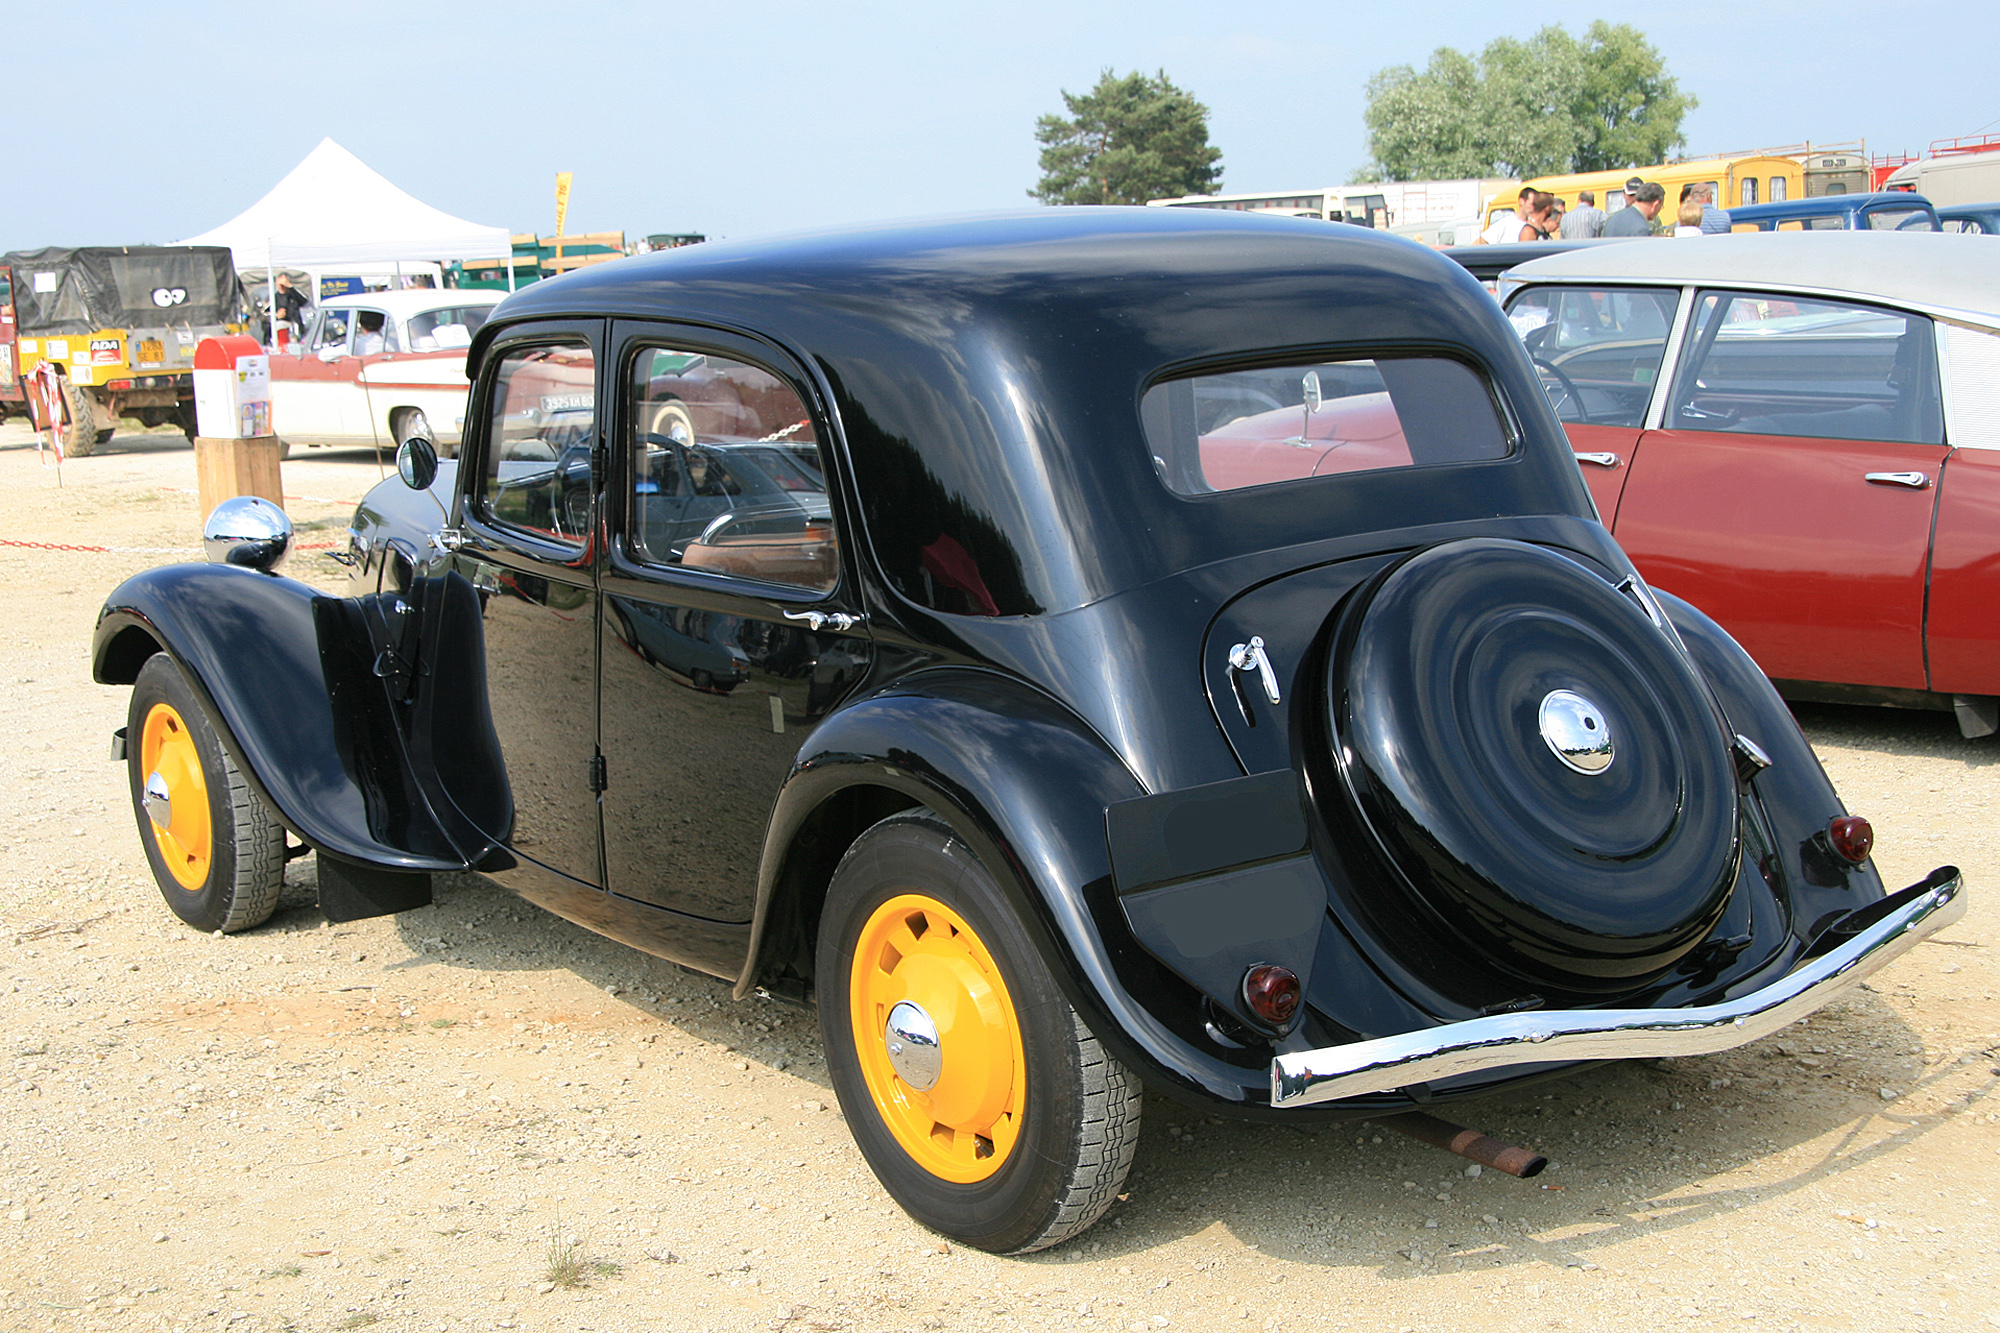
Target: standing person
1506	225
1647	201
1714	221
1537	216
1688	220
1585	221
288	306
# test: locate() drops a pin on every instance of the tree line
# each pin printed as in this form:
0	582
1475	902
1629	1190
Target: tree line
1549	105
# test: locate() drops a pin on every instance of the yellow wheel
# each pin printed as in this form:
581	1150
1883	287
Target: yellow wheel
176	796
217	851
940	1045
982	1102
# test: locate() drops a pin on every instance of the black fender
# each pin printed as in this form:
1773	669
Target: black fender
1795	798
1025	782
285	674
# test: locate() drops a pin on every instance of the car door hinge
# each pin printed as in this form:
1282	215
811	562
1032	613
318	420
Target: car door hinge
599	780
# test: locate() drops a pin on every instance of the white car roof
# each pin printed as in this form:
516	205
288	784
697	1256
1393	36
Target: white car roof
1942	273
414	301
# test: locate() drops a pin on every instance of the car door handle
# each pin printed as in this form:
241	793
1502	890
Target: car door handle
1601	459
1914	481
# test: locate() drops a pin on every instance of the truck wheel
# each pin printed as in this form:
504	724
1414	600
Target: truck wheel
982	1102
80	440
217	851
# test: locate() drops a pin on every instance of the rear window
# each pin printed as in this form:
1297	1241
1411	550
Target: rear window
1239	429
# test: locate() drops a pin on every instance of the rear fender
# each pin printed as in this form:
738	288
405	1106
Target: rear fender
1026	784
286	676
1794	796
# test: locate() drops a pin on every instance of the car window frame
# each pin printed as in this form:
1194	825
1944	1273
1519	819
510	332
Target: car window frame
1670	360
1691	353
526	542
627	338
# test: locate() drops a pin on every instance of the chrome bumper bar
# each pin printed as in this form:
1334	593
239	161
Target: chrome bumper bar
1384	1064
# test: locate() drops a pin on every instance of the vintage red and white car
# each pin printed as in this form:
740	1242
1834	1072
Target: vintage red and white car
1800	434
376	368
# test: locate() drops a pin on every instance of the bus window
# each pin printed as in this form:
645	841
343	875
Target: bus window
1777	189
1749	190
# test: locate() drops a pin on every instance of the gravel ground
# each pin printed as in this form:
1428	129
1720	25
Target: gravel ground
477	1116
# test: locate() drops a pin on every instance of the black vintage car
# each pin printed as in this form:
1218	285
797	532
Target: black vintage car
1184	653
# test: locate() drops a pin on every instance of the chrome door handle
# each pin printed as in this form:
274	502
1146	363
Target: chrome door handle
1252	657
1914	481
818	620
1601	459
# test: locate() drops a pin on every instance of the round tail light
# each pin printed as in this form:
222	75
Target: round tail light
1272	992
1852	836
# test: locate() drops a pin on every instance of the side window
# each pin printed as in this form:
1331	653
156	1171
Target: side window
1762	365
445	330
1598	348
1778	186
1749	190
725	472
374	333
329	337
536	474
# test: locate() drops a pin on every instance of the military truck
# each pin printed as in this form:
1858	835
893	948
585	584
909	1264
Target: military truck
119	325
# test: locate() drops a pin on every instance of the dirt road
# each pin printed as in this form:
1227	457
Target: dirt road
477	1116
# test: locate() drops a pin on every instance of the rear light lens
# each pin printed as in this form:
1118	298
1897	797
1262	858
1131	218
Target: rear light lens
1272	993
1852	836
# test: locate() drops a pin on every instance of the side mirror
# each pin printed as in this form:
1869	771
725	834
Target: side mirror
249	531
417	463
1312	391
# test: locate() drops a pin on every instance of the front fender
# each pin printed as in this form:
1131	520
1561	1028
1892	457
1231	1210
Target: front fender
1025	783
284	674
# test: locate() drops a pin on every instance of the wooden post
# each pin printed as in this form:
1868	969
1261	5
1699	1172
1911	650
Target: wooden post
225	469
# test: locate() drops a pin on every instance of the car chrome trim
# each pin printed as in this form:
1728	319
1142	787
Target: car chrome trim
833	620
1384	1064
1915	481
1603	459
911	1036
1247	657
1576	732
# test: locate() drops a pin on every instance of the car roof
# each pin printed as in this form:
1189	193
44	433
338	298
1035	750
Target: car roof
1943	273
1970	210
416	300
1487	261
1827	203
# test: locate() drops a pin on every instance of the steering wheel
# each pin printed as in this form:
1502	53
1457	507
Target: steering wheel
1550	371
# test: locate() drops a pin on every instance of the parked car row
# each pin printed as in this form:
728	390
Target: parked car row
1800	434
1099	648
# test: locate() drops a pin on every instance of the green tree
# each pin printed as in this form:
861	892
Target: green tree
1548	105
1126	141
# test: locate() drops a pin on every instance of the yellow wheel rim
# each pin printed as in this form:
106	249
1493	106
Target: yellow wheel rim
186	840
917	951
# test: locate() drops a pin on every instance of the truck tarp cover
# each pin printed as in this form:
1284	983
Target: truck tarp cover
59	291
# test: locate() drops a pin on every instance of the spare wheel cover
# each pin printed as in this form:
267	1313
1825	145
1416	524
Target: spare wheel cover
1454	681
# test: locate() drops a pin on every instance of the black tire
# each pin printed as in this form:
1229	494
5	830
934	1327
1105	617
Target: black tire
221	865
1064	1147
80	440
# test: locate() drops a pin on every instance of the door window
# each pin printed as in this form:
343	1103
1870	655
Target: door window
1598	348
1769	365
725	472
441	330
329	336
536	470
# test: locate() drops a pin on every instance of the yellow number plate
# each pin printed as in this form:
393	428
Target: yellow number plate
151	353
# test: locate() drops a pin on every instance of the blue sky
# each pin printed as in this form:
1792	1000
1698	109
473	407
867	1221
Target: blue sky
148	122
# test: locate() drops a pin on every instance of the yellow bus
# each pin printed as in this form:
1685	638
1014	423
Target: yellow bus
1735	180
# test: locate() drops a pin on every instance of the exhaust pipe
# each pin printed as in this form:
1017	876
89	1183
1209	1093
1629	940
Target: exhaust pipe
1468	1143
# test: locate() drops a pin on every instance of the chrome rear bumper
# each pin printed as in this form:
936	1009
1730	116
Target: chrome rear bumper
1384	1064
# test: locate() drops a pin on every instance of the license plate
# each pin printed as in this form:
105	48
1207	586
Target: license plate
151	352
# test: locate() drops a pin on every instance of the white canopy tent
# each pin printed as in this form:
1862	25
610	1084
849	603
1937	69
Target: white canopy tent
333	210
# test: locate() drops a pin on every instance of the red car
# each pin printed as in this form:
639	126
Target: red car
1800	434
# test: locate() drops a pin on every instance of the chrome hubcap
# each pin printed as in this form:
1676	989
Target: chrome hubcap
1576	732
912	1039
159	807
